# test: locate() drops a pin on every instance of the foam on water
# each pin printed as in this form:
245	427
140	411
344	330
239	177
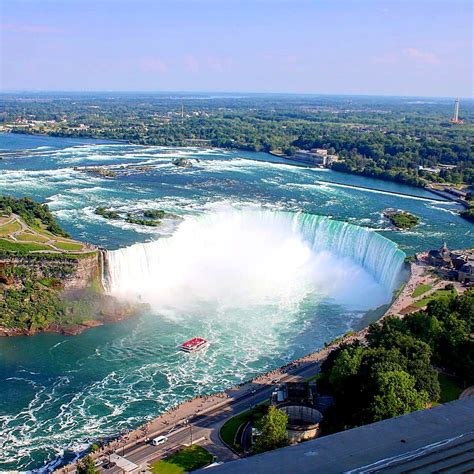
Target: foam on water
61	393
239	258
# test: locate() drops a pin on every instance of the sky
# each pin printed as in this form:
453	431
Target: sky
373	47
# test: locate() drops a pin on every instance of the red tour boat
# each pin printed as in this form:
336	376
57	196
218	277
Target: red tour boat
194	344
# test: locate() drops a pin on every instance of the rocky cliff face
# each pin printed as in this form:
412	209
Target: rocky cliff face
71	274
39	294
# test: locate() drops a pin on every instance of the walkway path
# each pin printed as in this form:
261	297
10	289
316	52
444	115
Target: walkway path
201	418
43	238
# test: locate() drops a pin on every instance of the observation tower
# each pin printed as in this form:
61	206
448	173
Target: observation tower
455	117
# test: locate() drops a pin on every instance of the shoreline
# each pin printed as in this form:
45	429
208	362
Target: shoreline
286	160
183	414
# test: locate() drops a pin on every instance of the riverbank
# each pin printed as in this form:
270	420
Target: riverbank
204	414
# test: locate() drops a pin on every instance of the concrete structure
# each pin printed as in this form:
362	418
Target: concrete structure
455	118
459	264
295	393
303	422
466	272
440	257
297	400
316	156
440	439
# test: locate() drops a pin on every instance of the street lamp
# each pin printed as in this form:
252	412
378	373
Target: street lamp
186	422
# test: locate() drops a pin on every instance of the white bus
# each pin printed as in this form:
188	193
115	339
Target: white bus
159	440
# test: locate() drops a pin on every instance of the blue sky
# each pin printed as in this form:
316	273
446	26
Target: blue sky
399	47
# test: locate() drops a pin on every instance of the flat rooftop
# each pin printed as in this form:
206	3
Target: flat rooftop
440	439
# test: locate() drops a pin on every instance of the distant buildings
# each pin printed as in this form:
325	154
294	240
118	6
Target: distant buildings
459	264
315	156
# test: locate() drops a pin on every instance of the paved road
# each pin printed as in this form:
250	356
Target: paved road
205	428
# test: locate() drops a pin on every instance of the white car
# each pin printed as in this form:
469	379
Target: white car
159	440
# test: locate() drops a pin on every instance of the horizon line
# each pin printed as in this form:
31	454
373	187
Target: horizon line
203	92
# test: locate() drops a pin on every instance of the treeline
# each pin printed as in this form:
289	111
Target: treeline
388	138
396	372
33	213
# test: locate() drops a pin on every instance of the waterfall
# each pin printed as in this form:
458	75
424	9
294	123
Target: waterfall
250	257
377	254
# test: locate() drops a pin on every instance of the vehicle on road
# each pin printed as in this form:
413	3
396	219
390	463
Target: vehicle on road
159	440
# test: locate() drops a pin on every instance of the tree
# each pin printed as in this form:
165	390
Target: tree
87	466
272	431
397	396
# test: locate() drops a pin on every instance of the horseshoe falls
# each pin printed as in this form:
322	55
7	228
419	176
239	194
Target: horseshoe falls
244	267
257	258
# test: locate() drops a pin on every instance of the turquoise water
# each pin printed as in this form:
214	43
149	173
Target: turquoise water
243	214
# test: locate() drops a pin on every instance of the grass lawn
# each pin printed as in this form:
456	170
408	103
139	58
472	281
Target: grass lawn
23	248
420	289
29	237
67	245
436	295
230	427
187	459
7	229
450	388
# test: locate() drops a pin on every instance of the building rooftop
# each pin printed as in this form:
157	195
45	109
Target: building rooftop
424	441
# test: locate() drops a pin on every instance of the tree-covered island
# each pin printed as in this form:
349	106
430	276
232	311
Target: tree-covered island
402	220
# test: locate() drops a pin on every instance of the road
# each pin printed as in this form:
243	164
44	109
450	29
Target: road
205	427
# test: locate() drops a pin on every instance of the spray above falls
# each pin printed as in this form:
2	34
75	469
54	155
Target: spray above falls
250	258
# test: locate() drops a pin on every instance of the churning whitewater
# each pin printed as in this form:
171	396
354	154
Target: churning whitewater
263	281
234	258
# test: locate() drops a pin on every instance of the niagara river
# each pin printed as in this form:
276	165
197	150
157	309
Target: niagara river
265	259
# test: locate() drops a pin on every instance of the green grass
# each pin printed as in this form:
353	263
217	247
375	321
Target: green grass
187	459
450	388
29	237
231	426
420	289
9	246
67	245
436	295
7	229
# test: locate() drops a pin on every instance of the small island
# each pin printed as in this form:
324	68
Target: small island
402	220
148	218
182	162
97	170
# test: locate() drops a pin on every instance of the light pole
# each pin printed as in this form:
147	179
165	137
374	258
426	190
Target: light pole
186	422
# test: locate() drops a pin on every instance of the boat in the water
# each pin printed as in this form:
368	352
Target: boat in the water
194	344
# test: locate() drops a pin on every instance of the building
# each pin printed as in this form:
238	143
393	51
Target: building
315	156
466	272
441	257
440	439
456	192
298	400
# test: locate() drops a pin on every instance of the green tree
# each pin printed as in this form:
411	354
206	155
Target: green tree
87	466
272	431
397	396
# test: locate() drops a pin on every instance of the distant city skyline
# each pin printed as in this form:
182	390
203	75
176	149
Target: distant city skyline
368	47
